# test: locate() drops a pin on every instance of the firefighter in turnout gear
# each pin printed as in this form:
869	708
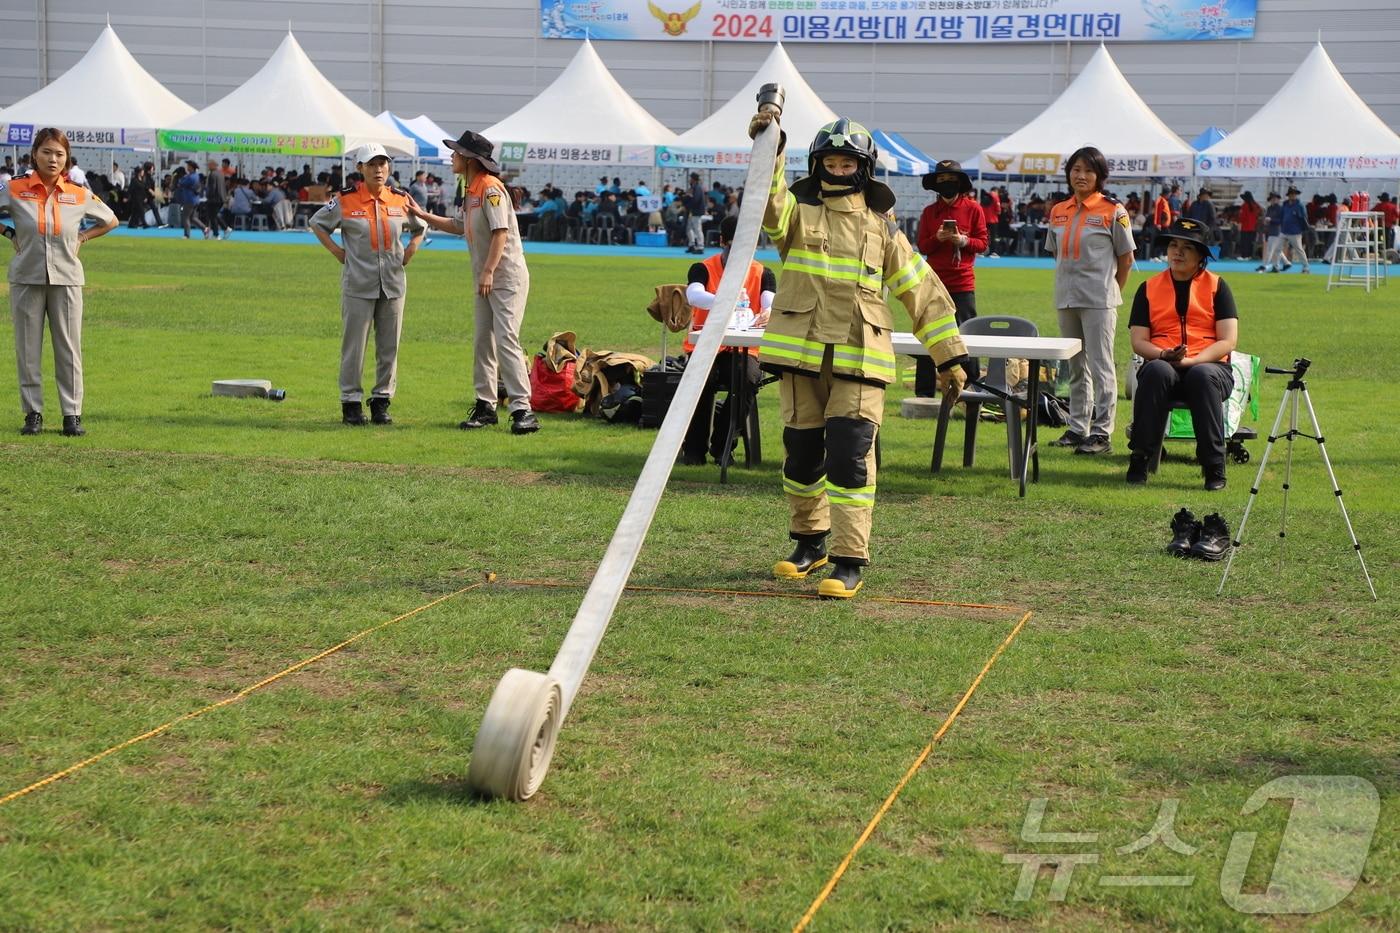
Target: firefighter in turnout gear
829	341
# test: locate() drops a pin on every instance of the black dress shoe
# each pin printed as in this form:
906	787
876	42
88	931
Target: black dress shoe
73	426
1137	470
1214	477
482	416
379	411
352	413
33	423
524	422
808	555
844	581
1214	541
1185	532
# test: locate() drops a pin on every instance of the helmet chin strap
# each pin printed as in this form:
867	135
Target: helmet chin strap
839	186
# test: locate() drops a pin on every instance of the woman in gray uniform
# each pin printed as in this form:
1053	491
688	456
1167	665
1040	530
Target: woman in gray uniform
46	278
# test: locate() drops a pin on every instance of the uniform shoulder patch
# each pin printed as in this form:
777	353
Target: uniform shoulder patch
1123	220
493	196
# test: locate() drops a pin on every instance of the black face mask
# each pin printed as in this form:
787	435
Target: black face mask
947	189
839	186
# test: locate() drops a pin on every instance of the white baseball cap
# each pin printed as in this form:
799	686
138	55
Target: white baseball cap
370	151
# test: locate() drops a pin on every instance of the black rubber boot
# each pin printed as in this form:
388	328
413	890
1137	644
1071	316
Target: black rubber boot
352	413
1214	540
1185	531
844	581
1137	470
483	415
73	426
379	411
524	422
808	555
33	424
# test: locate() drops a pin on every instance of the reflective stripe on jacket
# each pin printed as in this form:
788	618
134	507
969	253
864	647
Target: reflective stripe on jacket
839	256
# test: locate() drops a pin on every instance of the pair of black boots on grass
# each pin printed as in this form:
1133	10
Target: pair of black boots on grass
1207	539
34	424
808	555
484	416
353	413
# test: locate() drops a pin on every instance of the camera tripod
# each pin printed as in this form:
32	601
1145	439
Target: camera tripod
1297	389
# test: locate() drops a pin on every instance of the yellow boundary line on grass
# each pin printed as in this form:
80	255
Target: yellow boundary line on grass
908	775
73	769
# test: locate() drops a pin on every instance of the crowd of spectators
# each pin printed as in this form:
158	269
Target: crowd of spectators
610	213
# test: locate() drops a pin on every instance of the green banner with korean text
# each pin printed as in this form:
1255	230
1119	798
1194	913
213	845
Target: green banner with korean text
274	143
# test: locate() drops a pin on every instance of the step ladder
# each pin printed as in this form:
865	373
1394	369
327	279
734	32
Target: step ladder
1358	253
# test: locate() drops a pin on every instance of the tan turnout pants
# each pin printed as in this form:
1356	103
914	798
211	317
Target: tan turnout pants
62	307
829	470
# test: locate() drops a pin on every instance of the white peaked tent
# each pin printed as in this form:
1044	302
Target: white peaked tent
726	131
424	147
1100	109
288	97
424	127
584	108
106	100
1316	125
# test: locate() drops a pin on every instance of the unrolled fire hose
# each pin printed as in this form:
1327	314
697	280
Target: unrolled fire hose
516	739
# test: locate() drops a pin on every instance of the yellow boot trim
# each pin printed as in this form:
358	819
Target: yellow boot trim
831	588
787	570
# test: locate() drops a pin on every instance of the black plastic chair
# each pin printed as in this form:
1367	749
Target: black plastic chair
994	375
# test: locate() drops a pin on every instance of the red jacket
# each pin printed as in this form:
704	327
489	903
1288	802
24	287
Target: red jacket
1391	211
991	211
953	266
1249	216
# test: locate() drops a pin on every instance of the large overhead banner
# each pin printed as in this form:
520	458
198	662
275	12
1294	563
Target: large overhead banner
920	21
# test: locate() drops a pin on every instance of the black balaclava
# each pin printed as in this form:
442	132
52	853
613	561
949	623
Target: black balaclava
839	186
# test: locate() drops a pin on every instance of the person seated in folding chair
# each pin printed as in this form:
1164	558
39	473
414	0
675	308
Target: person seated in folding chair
1184	324
755	300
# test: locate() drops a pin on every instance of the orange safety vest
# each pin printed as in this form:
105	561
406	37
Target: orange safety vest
1197	328
753	288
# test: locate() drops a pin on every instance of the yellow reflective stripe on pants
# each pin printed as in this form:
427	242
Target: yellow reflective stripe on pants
870	361
793	488
784	219
911	274
795	349
936	330
861	497
830	267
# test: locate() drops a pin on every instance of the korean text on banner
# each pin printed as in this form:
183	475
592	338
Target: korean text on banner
275	143
921	22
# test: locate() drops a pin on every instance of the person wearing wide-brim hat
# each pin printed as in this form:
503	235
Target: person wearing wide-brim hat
952	231
502	282
1293	223
371	218
1184	325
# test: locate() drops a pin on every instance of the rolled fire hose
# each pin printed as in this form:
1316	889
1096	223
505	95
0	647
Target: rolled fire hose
516	739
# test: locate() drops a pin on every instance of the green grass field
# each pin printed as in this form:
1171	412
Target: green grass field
725	751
